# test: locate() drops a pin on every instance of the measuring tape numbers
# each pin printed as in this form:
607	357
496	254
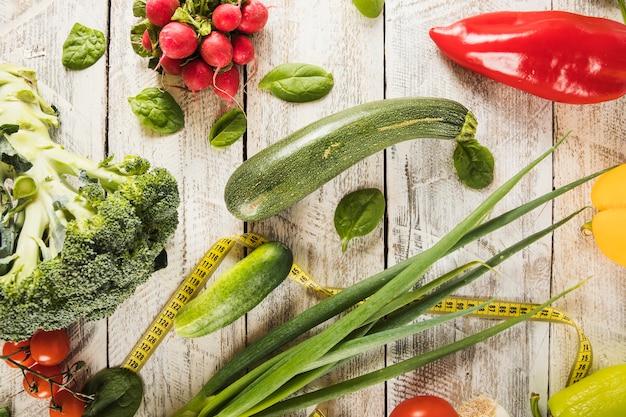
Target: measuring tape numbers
214	256
159	327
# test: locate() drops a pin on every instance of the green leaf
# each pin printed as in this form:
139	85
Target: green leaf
474	164
157	110
228	128
298	83
369	8
117	393
5	412
139	8
358	213
136	35
83	47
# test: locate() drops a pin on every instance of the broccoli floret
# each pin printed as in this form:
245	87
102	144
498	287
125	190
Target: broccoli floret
76	236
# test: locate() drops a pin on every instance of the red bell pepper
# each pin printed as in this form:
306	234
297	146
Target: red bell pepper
556	55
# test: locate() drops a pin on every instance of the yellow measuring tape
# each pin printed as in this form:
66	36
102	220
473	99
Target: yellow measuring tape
212	259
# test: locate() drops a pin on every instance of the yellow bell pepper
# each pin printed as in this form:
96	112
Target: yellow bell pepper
608	196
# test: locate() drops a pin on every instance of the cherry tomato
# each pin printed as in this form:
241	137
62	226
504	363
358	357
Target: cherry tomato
19	352
50	347
38	387
424	406
66	404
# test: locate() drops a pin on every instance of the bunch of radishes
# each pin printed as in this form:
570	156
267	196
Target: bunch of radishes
203	43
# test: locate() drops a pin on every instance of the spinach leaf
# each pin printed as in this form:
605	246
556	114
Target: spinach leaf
83	47
117	393
298	83
157	110
228	128
474	164
369	8
358	213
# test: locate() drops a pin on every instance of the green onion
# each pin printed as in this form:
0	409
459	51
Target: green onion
358	324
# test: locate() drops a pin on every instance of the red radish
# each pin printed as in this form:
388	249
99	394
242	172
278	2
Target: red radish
226	84
226	17
170	65
243	49
197	75
254	16
216	50
178	40
146	42
160	12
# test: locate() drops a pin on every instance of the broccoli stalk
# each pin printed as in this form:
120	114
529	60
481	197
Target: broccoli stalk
76	236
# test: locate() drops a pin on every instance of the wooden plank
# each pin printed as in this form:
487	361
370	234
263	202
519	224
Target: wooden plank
337	38
596	142
32	34
426	200
179	366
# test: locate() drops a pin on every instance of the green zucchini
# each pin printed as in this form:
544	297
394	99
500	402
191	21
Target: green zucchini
236	291
282	174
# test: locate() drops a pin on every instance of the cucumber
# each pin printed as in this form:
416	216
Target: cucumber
282	174
236	291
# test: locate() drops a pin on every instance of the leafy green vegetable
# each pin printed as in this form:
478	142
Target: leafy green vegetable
157	110
387	300
299	83
5	411
358	213
77	235
136	35
117	393
369	8
228	128
139	8
83	47
474	163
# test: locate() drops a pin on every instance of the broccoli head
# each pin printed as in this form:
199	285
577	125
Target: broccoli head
76	236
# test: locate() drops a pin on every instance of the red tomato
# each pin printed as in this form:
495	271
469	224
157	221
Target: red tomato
38	387
65	404
50	347
19	352
424	406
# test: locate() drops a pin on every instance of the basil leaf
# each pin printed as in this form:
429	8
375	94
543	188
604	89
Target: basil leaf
298	83
228	128
358	213
369	8
157	110
117	393
474	164
83	47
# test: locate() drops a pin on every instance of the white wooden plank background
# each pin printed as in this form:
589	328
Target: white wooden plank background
391	56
